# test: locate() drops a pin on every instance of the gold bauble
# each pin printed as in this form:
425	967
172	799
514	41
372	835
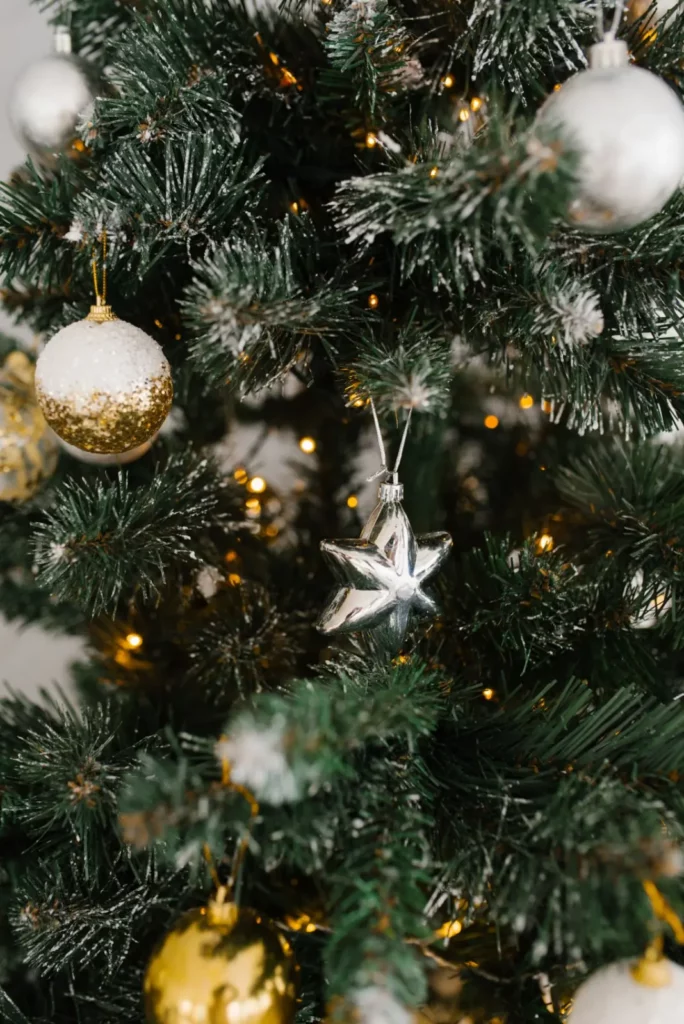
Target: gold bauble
637	8
104	385
28	453
221	964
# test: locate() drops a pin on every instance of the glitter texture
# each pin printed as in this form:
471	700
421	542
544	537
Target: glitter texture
28	453
104	387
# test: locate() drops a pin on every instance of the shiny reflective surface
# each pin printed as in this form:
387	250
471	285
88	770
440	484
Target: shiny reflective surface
382	573
221	965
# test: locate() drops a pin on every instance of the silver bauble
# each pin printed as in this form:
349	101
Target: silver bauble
627	126
614	996
382	573
49	99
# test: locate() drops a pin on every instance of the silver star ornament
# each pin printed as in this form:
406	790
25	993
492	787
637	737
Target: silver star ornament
382	573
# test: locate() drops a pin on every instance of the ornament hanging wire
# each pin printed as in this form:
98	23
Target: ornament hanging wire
225	892
617	18
392	474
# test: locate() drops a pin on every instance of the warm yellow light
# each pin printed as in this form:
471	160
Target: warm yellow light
352	501
547	406
488	693
557	87
449	929
475	104
253	504
526	402
545	542
234	579
448	81
241	475
134	640
463	114
373	301
294	206
371	140
434	171
491	422
232	556
257	485
307	444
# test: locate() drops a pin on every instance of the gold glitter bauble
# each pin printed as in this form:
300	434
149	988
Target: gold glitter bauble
221	964
104	385
28	453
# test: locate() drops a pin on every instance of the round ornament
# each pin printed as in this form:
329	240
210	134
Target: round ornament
104	385
627	126
622	994
637	8
49	99
28	453
219	964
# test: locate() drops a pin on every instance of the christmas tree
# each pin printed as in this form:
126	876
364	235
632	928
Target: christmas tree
363	481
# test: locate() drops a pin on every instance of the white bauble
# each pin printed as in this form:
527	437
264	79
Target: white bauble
636	8
613	996
49	99
104	387
96	459
628	127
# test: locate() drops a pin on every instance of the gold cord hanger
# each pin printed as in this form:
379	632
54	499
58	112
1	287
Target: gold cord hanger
100	313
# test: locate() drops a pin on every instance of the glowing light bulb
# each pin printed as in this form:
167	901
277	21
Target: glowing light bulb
307	444
545	542
526	402
475	104
491	422
434	171
464	114
488	693
134	640
373	301
241	475
257	485
448	81
352	501
371	140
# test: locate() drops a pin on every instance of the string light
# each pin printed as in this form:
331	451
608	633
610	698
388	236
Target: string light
434	171
544	542
448	81
557	87
307	444
133	641
257	485
491	422
232	556
371	140
373	301
464	114
352	501
240	475
475	104
294	206
234	579
526	402
488	693
449	929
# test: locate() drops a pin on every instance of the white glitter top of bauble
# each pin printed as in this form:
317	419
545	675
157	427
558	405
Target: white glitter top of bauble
87	358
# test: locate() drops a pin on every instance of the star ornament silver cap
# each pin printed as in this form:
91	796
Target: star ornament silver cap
382	573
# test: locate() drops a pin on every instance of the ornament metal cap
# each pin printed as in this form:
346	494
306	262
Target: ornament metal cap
62	42
609	53
101	314
390	491
652	972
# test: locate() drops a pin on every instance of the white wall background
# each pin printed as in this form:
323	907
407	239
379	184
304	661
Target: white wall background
29	658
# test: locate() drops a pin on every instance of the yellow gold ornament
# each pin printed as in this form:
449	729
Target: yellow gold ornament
221	964
28	452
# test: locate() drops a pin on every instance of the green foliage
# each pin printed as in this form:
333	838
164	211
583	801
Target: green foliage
104	537
301	201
